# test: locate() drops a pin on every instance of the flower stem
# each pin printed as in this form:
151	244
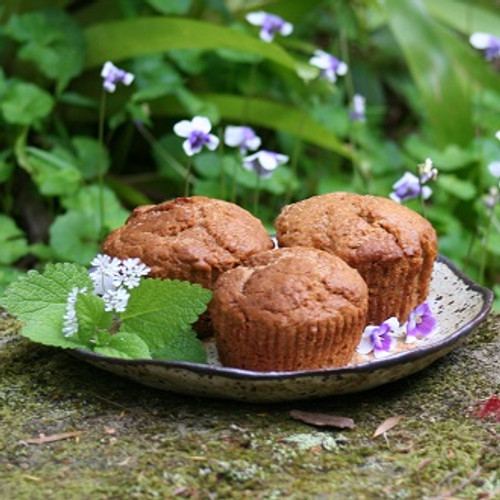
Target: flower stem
188	177
100	169
256	197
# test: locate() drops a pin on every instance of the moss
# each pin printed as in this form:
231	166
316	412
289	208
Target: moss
138	442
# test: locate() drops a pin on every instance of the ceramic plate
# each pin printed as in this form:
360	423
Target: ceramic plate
459	304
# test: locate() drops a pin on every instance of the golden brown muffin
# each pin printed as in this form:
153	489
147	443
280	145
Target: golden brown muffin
391	246
192	239
289	309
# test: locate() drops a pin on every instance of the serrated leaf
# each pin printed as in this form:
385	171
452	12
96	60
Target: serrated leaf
39	302
161	312
125	345
186	347
91	316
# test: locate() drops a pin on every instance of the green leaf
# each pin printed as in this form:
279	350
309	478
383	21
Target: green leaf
92	317
25	104
6	166
433	56
13	244
7	276
118	40
39	302
266	113
171	7
186	347
86	201
461	188
88	153
52	40
161	312
74	236
126	346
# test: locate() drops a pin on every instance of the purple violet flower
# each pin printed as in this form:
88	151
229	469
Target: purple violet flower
264	162
243	138
113	75
330	66
198	135
379	339
489	43
358	109
409	187
421	323
270	24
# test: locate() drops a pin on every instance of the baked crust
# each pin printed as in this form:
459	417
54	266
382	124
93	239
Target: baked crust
392	247
193	239
289	309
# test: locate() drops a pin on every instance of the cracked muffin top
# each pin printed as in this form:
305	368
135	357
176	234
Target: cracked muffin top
292	286
357	228
289	309
193	239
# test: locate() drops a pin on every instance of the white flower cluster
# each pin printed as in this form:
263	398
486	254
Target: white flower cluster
70	321
112	279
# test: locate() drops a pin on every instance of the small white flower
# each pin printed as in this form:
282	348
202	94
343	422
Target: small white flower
330	66
487	42
105	273
113	75
198	135
263	163
243	138
358	108
116	300
70	321
132	270
427	171
379	339
270	24
497	134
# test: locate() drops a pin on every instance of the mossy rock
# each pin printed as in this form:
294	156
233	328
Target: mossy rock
132	441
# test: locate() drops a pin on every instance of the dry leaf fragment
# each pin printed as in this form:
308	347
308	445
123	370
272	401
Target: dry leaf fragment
387	425
50	439
323	419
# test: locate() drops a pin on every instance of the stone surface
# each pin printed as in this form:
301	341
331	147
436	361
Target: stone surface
131	441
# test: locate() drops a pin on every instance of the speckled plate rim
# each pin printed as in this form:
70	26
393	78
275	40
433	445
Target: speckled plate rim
367	366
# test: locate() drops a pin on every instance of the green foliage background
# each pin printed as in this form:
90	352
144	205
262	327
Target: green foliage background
428	94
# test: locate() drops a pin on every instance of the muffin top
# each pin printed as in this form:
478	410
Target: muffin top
193	238
357	228
290	286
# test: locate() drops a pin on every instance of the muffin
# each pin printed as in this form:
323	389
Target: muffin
193	239
391	246
289	309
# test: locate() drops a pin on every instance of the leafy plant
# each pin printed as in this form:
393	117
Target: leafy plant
429	94
60	308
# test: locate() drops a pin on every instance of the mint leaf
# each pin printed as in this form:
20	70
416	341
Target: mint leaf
124	345
92	318
185	347
39	301
161	312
